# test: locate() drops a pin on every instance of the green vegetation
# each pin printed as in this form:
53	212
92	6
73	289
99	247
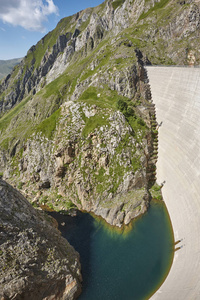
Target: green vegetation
20	185
125	142
135	161
7	118
5	143
63	205
48	126
117	3
125	108
94	122
101	175
47	43
111	61
110	99
90	93
138	125
157	6
43	200
103	98
57	87
156	192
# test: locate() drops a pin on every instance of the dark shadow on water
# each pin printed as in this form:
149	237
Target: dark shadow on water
78	231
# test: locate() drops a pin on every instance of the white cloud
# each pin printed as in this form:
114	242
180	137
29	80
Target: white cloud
30	14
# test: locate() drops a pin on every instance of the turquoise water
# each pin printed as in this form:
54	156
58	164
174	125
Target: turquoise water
122	266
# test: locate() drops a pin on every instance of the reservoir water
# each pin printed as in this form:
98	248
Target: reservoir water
126	266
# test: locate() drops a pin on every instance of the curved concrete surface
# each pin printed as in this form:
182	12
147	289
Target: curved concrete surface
176	94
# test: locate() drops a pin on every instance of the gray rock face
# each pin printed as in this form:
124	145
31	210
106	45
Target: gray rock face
35	261
82	169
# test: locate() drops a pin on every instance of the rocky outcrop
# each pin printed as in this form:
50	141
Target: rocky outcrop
93	170
35	261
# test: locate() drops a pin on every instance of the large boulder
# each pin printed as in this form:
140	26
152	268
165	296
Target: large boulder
36	262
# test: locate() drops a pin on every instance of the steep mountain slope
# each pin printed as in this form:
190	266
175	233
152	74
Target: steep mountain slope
36	261
77	123
6	66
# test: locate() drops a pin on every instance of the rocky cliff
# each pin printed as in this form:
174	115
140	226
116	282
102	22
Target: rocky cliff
93	153
35	261
80	129
77	124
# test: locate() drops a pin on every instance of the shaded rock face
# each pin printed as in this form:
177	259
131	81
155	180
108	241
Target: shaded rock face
35	261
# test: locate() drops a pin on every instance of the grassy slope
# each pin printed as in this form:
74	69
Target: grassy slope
19	122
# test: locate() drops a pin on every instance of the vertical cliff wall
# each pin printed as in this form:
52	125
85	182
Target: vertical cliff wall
176	94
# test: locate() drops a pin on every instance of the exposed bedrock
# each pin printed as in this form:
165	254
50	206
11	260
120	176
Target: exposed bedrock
36	262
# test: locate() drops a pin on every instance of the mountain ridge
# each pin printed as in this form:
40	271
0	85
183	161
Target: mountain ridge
6	66
88	68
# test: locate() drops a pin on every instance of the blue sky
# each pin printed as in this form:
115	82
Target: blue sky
24	22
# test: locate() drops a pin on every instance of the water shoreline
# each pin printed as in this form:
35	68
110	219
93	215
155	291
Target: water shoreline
110	234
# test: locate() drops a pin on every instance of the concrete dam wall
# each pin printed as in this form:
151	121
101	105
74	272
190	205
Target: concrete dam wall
176	94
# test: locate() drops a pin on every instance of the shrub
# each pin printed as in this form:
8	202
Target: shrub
122	105
141	122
